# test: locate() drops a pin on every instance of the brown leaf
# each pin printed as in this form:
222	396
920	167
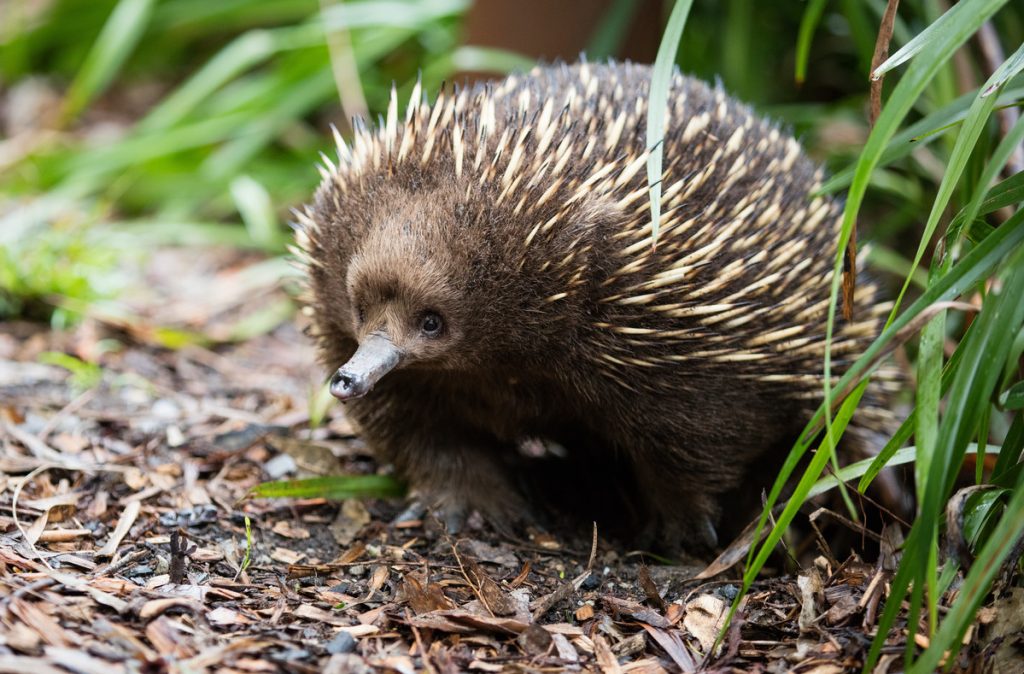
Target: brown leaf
704	618
167	639
544	604
636	611
155	607
44	624
490	593
649	588
424	599
673	644
335	619
464	622
290	530
535	640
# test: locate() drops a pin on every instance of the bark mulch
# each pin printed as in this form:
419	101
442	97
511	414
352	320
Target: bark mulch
128	542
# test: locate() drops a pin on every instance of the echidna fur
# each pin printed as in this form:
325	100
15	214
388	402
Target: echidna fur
674	376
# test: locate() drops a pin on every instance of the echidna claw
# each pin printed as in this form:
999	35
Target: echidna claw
414	511
452	517
710	535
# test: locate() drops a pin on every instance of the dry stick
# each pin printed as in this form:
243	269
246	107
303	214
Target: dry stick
473	586
72	407
855	526
881	53
14	511
992	52
544	604
428	665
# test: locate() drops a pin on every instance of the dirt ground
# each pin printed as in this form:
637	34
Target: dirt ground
128	542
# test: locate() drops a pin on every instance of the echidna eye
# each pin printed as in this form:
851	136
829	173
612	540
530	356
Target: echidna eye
431	324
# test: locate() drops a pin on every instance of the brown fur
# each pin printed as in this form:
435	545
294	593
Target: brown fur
664	394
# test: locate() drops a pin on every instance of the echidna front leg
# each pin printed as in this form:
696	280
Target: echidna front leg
451	469
681	509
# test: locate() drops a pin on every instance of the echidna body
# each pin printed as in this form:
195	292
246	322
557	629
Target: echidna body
483	273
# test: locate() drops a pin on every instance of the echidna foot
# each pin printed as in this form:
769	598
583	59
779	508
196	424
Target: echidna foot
452	516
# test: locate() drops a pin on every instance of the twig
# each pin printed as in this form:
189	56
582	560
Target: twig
473	586
14	511
72	406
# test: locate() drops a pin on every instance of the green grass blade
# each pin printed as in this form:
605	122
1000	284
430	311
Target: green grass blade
1010	454
115	42
935	52
1013	397
244	52
298	99
335	487
900	457
967	138
394	13
257	210
1005	72
610	33
488	60
657	102
808	23
921	133
935	33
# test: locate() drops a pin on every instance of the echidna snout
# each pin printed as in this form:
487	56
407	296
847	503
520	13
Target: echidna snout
376	356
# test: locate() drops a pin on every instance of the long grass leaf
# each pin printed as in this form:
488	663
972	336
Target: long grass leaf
809	21
1006	71
115	42
334	487
244	52
963	275
394	13
985	351
934	33
920	133
907	91
607	38
657	102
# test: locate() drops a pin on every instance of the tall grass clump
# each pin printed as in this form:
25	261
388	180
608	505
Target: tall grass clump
174	121
962	150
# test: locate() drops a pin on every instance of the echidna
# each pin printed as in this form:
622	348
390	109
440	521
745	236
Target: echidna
482	272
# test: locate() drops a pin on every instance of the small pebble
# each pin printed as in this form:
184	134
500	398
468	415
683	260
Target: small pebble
343	642
728	592
279	466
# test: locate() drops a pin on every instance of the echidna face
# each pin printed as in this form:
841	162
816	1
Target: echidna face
407	301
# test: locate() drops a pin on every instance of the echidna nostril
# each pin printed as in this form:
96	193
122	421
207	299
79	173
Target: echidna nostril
345	385
339	379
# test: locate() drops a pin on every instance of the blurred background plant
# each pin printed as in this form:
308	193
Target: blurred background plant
134	124
131	123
